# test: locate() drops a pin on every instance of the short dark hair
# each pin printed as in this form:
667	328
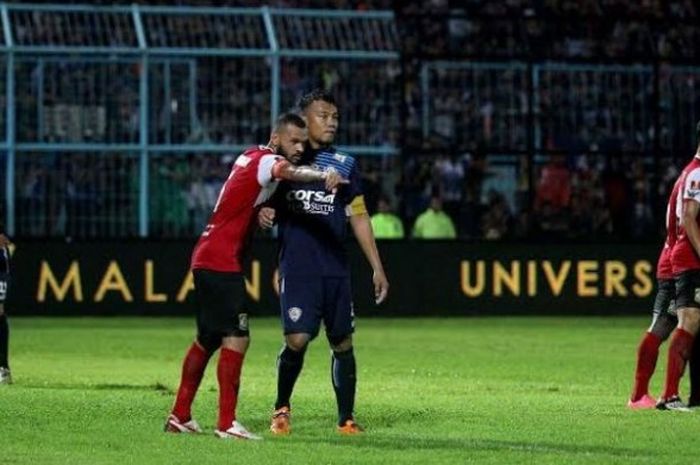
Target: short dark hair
289	118
313	96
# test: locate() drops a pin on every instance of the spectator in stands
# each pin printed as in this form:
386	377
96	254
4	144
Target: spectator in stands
385	224
412	186
554	186
434	223
580	218
449	177
475	173
497	221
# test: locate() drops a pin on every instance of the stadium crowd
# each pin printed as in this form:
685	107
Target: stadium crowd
593	119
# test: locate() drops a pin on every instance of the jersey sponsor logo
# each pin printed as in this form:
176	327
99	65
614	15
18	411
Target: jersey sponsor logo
294	314
311	201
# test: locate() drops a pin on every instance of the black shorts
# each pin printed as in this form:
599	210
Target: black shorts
4	286
221	302
665	301
688	289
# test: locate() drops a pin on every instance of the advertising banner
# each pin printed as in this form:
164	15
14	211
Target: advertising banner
427	278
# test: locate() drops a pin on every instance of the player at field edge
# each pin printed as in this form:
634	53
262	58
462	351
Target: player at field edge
664	318
314	269
217	265
5	375
685	259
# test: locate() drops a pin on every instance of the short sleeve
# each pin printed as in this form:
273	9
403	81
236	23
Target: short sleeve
355	185
267	162
691	189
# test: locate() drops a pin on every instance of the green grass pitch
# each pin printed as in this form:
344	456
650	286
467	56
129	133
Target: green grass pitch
431	391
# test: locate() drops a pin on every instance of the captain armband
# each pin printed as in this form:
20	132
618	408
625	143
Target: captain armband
356	207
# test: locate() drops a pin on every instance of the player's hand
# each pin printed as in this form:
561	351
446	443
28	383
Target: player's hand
4	241
381	287
333	180
266	217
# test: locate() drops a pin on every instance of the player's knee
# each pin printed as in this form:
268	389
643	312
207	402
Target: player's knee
210	342
237	343
297	341
663	326
2	309
340	343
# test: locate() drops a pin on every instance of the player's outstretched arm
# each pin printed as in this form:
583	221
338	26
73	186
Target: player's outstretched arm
362	228
288	172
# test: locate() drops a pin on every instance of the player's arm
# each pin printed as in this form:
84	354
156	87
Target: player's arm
362	228
690	223
288	172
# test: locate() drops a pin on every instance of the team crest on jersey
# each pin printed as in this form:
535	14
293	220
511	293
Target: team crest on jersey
243	321
340	158
294	314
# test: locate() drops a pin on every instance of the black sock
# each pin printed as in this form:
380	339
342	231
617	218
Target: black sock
694	369
4	339
343	373
289	363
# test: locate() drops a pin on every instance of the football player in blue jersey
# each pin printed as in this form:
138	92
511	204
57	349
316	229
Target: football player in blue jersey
314	270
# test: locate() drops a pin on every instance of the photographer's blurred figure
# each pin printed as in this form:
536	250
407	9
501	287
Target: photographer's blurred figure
385	224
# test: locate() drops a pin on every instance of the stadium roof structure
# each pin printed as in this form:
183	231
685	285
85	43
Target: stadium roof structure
181	30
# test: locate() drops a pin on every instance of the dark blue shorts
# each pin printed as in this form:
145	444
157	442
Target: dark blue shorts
306	301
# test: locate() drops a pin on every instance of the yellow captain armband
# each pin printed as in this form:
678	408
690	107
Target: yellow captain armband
356	207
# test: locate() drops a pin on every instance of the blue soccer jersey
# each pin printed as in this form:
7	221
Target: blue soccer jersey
313	222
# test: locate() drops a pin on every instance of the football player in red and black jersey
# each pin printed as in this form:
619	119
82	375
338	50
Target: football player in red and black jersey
685	259
217	266
664	317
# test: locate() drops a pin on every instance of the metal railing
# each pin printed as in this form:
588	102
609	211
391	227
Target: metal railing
117	119
137	89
